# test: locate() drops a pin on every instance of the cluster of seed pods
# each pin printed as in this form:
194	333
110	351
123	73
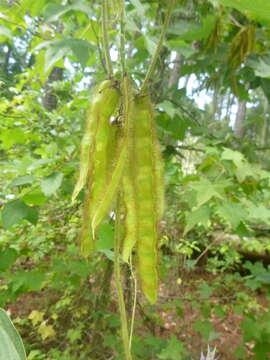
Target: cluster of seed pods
123	158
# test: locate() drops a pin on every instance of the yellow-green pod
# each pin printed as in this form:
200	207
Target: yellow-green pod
117	169
85	238
96	155
148	168
109	191
158	164
103	105
131	214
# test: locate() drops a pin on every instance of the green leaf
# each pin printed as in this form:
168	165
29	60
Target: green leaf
235	156
4	31
243	168
15	211
259	9
36	198
199	216
205	191
259	213
168	107
51	183
191	31
105	237
58	49
81	50
54	11
56	52
7	258
205	328
22	180
173	351
261	66
10	137
233	213
33	7
139	7
28	280
11	345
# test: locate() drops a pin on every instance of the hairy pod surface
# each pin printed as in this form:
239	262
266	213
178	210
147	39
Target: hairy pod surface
118	163
143	191
103	105
97	155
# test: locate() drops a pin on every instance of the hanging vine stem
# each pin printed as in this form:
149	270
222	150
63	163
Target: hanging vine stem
118	282
105	38
134	303
154	60
122	38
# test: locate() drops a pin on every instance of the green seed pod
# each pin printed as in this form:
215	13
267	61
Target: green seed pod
109	190
118	164
144	203
97	156
104	104
131	214
85	238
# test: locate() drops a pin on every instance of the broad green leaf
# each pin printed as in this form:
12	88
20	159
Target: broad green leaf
51	183
7	258
81	50
11	346
4	31
7	347
22	180
74	334
15	211
58	49
199	216
205	190
54	11
173	351
205	328
245	170
168	107
191	31
105	239
150	44
36	198
235	156
233	213
28	280
36	317
46	330
10	137
33	7
261	66
259	9
139	7
258	213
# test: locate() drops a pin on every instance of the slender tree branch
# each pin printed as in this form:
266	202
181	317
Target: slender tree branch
190	148
122	38
105	38
98	46
155	57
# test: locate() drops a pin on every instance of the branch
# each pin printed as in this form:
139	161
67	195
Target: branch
155	57
190	148
105	38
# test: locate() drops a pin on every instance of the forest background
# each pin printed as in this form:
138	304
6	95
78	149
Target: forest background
211	92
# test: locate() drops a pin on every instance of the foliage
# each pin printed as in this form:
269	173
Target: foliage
214	262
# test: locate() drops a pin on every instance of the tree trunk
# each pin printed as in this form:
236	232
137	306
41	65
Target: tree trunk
174	77
240	120
50	98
